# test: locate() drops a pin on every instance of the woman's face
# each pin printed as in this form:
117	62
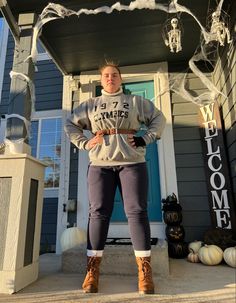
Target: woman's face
111	79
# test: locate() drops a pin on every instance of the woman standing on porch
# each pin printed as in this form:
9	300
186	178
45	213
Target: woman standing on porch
117	158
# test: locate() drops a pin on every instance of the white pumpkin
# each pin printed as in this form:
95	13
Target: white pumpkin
193	257
210	254
230	256
71	237
195	246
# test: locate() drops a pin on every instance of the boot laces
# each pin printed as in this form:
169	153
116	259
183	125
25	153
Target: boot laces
92	269
146	269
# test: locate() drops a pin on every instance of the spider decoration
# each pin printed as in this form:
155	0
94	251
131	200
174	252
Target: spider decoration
172	35
219	27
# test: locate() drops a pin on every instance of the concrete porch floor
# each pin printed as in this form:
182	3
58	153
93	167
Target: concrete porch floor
187	282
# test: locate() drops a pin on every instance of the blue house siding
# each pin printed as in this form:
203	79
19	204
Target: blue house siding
49	225
48	86
48	83
6	79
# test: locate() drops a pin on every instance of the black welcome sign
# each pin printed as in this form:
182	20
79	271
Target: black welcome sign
216	166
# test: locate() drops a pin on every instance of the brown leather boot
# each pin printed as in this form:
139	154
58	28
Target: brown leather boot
145	282
90	284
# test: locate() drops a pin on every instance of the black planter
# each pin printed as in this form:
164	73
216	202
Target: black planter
175	233
167	206
178	250
172	217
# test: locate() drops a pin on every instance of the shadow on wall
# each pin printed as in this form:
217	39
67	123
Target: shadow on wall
191	178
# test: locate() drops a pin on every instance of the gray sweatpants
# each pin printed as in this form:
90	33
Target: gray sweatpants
133	183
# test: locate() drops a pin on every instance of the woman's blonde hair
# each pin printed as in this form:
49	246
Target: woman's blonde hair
109	63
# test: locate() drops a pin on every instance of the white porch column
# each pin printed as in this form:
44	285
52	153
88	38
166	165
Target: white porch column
21	178
21	197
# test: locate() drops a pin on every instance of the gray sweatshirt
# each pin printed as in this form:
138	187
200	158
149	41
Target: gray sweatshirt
115	111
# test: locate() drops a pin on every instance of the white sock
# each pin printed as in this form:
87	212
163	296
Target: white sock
94	253
142	253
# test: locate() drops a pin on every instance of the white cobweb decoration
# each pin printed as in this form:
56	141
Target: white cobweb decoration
216	31
206	55
207	52
55	11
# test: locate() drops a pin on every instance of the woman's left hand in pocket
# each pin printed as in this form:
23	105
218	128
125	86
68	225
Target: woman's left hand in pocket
131	141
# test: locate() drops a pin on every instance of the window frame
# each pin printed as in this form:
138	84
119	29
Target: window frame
39	116
43	56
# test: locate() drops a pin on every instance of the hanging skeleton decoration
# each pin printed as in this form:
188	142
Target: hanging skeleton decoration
219	30
173	39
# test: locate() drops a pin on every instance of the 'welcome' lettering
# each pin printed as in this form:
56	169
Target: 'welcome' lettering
218	195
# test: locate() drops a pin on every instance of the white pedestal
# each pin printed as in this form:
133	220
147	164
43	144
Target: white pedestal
21	200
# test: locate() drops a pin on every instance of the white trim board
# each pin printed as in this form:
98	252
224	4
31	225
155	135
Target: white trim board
39	116
158	72
65	162
46	114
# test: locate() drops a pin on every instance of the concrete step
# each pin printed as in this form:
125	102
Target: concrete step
117	259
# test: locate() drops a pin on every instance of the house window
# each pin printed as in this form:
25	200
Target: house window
1	27
45	144
40	48
42	54
3	50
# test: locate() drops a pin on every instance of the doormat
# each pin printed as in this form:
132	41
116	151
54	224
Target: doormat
126	241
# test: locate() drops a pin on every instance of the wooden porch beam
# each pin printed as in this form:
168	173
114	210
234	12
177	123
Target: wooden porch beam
6	12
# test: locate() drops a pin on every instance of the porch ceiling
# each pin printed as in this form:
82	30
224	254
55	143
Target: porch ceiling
80	44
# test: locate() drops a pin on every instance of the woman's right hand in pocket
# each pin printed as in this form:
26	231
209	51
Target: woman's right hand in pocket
98	139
